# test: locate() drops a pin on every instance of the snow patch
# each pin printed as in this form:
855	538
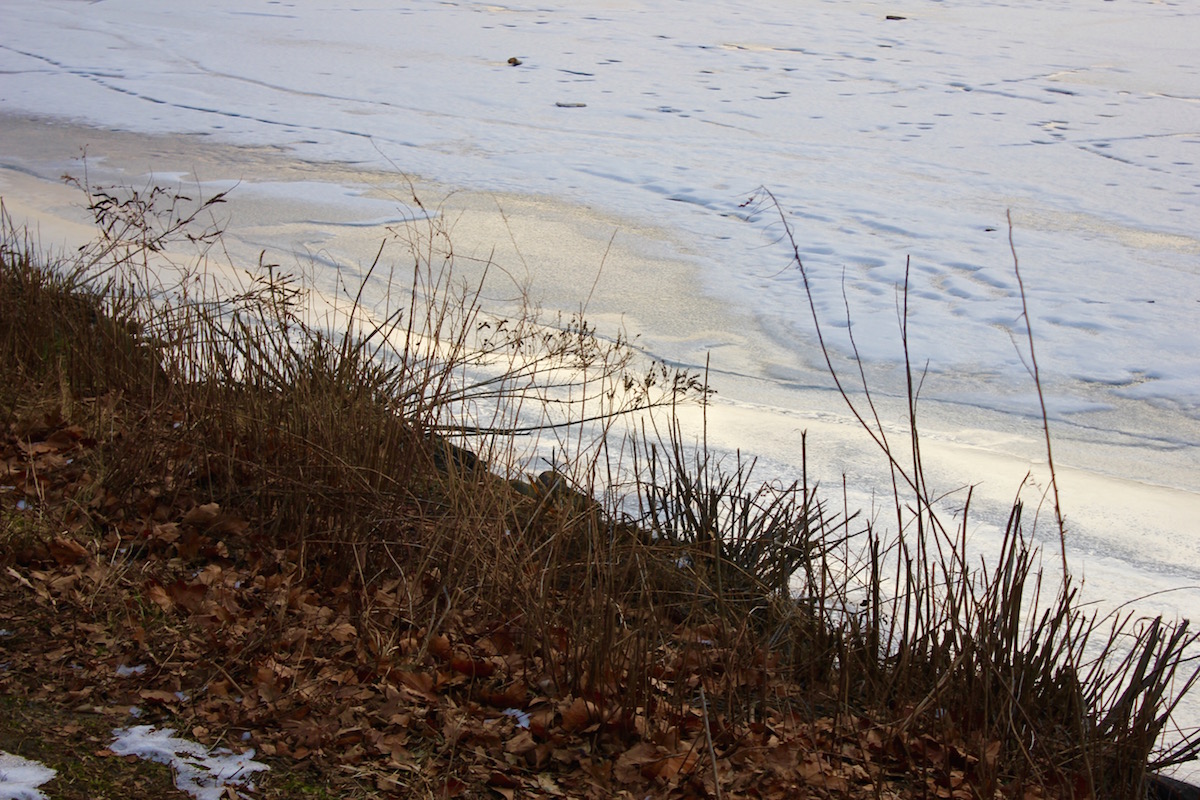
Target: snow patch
20	777
202	773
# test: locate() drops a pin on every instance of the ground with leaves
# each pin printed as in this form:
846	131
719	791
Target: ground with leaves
239	650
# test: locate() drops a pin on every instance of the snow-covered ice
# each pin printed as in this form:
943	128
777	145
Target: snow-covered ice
882	138
887	130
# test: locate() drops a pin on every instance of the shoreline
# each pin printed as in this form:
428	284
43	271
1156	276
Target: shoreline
305	214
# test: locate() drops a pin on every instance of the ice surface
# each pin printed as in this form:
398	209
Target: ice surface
20	778
880	138
201	773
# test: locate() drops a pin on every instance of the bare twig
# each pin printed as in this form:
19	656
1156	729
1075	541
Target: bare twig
1037	382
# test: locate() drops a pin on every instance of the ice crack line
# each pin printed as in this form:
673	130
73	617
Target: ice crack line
99	79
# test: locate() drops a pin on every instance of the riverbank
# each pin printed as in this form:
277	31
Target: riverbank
256	495
1122	467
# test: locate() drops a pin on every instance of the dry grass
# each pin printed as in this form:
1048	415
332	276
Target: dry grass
665	618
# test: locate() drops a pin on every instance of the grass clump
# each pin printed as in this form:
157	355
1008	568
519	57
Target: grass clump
424	550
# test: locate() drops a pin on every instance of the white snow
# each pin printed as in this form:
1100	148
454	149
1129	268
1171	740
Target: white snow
882	139
20	778
522	717
201	773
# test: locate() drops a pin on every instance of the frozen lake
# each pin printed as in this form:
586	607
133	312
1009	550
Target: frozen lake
887	131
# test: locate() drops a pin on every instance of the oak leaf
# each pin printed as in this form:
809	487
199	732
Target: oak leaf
158	595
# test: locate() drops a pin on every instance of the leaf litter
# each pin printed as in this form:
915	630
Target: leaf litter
241	651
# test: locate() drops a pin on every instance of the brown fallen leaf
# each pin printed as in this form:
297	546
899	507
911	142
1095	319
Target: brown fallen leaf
520	743
19	578
440	647
187	595
202	516
472	667
343	632
158	595
630	764
67	551
158	696
420	683
167	532
575	715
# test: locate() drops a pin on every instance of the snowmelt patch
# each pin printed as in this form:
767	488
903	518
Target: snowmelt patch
20	777
201	773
